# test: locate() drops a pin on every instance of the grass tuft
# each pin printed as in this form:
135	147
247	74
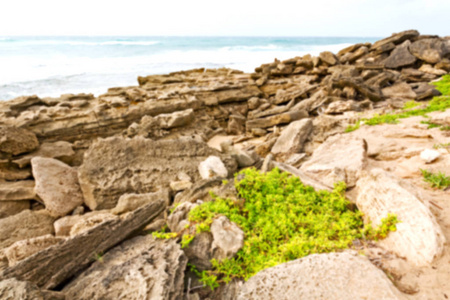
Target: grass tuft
439	180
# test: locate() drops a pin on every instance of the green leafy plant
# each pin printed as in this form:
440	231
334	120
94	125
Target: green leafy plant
441	146
282	220
439	180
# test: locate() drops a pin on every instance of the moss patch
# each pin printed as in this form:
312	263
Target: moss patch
437	180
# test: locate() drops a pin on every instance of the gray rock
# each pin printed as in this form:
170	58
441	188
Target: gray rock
57	185
430	50
345	276
396	38
16	141
52	266
141	268
24	225
339	158
228	238
212	167
400	57
116	166
292	138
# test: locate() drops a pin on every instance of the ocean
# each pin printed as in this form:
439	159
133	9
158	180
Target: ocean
51	66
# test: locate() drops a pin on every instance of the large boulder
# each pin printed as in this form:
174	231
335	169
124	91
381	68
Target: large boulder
400	57
345	276
116	166
400	90
57	185
292	138
430	50
340	158
418	237
16	141
24	225
141	268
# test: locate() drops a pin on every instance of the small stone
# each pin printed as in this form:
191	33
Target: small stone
228	238
181	185
130	202
429	155
212	167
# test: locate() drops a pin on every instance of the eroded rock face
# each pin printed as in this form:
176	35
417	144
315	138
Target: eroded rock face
141	268
13	289
24	225
17	190
130	202
116	166
418	237
340	158
57	185
17	140
344	275
400	56
24	248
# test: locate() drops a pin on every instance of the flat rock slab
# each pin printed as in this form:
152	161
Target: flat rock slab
57	150
17	190
116	166
340	158
141	268
57	185
24	225
321	276
418	237
283	118
400	57
52	266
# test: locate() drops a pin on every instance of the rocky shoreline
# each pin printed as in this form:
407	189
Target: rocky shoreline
84	179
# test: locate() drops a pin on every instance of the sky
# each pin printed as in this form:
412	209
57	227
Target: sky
362	18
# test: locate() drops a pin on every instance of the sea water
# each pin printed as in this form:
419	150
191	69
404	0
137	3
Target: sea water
51	66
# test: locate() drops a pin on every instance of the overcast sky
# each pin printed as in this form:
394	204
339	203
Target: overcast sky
231	17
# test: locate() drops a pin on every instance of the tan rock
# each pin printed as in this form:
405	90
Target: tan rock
430	50
418	237
400	57
64	225
339	158
430	70
345	276
283	118
441	118
399	90
175	119
17	140
13	289
328	57
58	150
212	167
130	202
17	190
57	185
178	186
9	208
24	225
25	248
87	223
